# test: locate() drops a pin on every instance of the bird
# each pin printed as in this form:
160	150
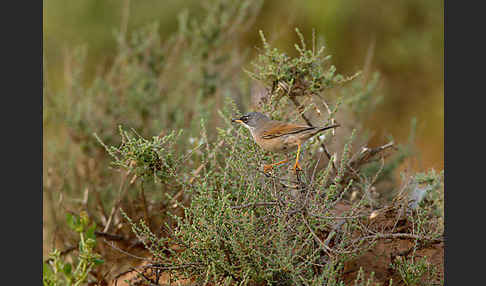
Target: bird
278	136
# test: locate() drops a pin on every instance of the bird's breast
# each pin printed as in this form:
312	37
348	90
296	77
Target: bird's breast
283	144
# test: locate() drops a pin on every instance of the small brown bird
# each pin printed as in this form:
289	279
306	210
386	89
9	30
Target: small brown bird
277	136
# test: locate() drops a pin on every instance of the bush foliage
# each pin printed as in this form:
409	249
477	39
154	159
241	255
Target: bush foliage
182	185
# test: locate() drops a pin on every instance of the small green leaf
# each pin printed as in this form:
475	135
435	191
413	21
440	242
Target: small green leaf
72	221
67	269
46	270
90	232
90	242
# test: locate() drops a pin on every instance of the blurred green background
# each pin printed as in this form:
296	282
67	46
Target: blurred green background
402	40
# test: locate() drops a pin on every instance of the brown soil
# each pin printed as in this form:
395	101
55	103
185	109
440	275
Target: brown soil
379	258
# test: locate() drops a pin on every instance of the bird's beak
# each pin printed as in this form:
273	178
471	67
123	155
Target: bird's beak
236	120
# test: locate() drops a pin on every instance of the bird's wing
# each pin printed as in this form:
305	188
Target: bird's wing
278	129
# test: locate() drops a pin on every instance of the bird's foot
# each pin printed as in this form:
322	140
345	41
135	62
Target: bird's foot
267	168
297	167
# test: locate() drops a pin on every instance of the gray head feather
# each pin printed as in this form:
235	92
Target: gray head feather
252	119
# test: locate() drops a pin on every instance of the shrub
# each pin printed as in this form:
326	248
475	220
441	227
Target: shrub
245	226
192	199
58	271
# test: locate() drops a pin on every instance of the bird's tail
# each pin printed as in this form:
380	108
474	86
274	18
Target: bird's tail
327	127
312	131
317	130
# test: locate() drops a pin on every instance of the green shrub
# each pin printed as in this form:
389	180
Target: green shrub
414	271
244	226
58	271
194	194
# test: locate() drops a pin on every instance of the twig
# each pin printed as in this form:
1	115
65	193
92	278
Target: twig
110	236
196	172
174	198
315	169
373	181
368	153
144	204
275	177
122	189
339	217
157	266
259	204
176	267
400	236
326	248
134	269
299	107
101	209
124	252
301	186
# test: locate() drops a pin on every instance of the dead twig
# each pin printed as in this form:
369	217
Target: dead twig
368	153
112	245
400	236
110	236
121	193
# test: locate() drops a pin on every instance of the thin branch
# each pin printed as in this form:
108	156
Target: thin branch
299	107
400	236
109	236
144	205
277	178
339	217
124	252
161	266
315	169
157	266
326	248
260	204
198	170
369	153
121	194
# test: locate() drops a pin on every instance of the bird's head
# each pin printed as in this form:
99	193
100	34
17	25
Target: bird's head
251	120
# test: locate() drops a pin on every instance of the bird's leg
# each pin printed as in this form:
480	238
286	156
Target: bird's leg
296	165
269	167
